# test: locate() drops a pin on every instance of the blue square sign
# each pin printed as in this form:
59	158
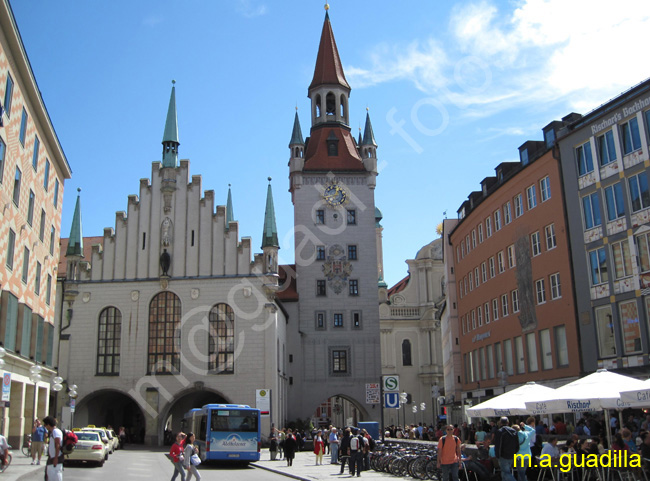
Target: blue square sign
391	400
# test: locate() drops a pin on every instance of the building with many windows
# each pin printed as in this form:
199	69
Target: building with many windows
605	168
514	289
411	346
33	169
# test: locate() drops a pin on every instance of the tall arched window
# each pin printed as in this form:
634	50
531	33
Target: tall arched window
406	353
221	348
164	334
330	104
108	341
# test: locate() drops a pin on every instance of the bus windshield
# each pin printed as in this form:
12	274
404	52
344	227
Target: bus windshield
232	420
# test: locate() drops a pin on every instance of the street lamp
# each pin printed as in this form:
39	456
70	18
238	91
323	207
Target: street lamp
72	392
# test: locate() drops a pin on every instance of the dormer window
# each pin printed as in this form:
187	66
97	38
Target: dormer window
332	145
330	104
549	138
523	154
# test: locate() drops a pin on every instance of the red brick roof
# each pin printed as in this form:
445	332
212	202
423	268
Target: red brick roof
317	158
89	242
400	286
328	68
288	291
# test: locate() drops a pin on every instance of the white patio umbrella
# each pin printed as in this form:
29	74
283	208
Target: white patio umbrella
512	402
599	390
638	397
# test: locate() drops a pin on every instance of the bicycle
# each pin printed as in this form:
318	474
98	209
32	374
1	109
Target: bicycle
4	467
27	445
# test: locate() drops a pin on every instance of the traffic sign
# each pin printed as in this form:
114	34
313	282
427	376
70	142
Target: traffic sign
391	383
391	400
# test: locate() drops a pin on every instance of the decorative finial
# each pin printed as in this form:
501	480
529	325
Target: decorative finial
229	186
269	180
367	109
78	189
327	6
296	108
173	82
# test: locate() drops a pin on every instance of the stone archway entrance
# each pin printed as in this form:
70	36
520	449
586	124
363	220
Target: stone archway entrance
173	414
111	408
340	411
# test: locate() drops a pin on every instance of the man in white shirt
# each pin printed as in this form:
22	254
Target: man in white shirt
54	467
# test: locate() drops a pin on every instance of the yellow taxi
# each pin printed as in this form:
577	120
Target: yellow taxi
89	448
113	439
103	436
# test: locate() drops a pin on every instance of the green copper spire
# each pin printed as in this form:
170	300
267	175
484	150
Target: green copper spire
76	241
270	234
230	217
296	135
170	137
368	135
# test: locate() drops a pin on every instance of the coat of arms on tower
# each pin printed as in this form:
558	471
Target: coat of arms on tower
337	268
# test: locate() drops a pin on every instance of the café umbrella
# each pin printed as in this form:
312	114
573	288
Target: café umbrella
512	402
638	397
599	390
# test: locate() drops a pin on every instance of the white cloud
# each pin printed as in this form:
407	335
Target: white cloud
578	52
249	10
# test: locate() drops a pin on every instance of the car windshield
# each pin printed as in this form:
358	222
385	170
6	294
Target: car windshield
87	436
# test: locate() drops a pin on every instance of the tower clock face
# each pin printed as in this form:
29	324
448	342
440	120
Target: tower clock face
335	195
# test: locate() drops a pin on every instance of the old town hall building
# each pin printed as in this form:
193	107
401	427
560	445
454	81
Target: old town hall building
177	310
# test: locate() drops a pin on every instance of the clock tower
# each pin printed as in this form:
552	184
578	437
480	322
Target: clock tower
333	343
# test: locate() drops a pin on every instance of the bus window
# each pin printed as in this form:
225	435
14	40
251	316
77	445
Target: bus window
203	426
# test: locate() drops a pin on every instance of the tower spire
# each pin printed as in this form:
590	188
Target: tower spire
329	69
230	216
296	134
270	232
76	241
170	137
368	134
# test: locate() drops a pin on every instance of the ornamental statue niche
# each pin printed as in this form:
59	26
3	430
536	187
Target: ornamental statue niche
166	232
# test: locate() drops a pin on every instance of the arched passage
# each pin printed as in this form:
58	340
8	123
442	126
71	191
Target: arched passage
172	414
340	411
111	408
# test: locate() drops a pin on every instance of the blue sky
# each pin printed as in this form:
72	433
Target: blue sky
453	89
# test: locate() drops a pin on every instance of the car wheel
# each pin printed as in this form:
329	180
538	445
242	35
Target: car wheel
106	457
100	463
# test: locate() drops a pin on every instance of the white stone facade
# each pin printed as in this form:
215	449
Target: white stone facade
411	344
209	265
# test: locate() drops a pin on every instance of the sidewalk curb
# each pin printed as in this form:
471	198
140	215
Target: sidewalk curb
288	475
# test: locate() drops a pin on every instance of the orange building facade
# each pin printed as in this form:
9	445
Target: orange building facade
512	264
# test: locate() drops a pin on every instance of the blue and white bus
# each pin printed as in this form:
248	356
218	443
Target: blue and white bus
225	432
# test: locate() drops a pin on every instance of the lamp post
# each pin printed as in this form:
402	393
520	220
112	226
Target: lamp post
72	393
36	377
2	365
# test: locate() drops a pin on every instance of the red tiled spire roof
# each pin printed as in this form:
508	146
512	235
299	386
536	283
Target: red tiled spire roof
317	158
328	63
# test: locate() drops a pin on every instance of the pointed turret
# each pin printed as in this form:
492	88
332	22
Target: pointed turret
329	70
270	244
170	137
76	241
296	134
368	134
270	234
230	216
75	251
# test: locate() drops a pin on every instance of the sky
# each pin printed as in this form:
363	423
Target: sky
452	88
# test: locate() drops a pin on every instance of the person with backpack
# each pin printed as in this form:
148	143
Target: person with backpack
449	456
54	467
369	446
357	448
506	445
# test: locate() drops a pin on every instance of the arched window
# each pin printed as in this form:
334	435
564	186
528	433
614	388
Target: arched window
343	116
221	348
317	106
406	353
108	341
330	104
164	334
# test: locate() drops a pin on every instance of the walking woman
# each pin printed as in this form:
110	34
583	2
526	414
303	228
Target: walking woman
290	447
188	452
176	455
319	447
